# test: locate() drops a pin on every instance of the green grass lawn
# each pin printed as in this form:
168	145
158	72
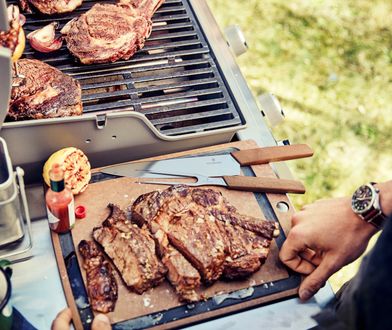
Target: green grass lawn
330	64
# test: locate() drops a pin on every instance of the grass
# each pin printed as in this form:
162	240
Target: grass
330	64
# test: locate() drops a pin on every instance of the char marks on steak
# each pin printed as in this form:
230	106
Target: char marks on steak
110	32
52	6
101	283
44	93
132	250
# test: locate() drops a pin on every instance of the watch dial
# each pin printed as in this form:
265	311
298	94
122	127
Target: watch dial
362	199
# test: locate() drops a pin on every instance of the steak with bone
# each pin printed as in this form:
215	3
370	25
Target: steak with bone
180	273
132	250
45	92
206	230
110	32
101	283
52	6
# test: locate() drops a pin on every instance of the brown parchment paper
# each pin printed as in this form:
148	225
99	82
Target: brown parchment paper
124	191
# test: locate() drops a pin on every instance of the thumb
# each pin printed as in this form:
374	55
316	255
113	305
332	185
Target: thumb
315	280
101	322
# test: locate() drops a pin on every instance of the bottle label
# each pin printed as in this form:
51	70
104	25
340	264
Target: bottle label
51	217
71	213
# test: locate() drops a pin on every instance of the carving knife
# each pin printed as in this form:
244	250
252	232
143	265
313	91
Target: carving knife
215	165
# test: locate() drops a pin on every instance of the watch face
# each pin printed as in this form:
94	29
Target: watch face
362	199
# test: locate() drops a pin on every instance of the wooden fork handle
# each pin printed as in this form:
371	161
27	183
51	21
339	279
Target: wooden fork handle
264	184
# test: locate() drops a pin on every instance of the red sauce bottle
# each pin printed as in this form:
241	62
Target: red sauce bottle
59	202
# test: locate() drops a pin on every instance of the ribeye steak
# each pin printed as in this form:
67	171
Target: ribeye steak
205	229
52	6
110	32
44	93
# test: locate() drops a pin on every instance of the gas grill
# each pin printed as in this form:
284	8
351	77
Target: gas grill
173	80
183	90
174	87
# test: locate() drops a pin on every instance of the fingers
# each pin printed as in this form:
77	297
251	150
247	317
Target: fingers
290	255
101	322
62	320
312	256
315	280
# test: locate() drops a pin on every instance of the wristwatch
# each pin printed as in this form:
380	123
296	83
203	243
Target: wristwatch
366	203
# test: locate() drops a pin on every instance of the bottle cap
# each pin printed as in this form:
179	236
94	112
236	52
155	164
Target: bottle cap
80	211
56	173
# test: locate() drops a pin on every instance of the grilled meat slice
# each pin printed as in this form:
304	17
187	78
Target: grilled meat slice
245	251
52	6
110	32
101	283
180	273
44	93
132	250
195	234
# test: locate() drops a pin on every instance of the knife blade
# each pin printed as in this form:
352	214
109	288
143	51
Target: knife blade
217	165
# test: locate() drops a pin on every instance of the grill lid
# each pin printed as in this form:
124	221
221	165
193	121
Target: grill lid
174	80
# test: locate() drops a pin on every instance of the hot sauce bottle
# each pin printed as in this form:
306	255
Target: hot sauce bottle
59	202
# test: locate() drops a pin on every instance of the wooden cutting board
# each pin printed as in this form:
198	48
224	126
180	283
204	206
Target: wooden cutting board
153	303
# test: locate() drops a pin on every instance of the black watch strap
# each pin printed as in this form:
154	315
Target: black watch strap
374	216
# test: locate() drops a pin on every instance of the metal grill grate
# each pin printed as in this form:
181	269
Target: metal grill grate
173	80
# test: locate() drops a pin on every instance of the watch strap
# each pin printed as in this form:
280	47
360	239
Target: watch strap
375	216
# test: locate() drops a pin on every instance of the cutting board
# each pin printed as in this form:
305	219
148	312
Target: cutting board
159	307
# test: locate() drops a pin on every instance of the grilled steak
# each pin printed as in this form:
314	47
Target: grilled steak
207	230
180	273
44	93
132	250
52	6
192	231
110	32
101	284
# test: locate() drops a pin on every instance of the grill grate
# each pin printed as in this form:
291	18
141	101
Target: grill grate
173	80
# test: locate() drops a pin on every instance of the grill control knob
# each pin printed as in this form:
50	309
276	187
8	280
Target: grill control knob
236	40
271	108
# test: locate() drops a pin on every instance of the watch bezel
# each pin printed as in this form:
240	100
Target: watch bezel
371	203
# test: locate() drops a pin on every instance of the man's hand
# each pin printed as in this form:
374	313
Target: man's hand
325	236
64	318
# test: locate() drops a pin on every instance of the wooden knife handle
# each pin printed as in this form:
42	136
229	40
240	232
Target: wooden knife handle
272	154
264	184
